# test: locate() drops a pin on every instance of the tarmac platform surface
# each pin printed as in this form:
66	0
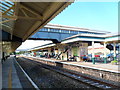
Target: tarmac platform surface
12	76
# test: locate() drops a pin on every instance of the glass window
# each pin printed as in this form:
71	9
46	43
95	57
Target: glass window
64	31
54	30
74	32
44	29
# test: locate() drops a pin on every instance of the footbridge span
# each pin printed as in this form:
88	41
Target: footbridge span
57	33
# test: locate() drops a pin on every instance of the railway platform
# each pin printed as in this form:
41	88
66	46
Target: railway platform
13	76
100	66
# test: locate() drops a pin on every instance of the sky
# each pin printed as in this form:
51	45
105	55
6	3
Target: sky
93	15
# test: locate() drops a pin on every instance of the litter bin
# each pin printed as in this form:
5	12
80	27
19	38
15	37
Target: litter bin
78	59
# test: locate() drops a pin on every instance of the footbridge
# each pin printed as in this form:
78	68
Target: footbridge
57	33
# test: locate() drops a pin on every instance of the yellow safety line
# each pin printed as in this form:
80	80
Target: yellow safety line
10	79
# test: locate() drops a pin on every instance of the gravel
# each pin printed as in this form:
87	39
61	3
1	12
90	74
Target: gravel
45	78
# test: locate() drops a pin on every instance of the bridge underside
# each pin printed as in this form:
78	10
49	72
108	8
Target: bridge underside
53	40
55	37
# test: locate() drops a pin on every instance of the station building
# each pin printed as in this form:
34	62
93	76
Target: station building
75	41
98	49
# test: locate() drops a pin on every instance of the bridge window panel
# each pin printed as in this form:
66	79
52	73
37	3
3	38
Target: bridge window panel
74	32
44	29
54	30
54	36
43	35
64	31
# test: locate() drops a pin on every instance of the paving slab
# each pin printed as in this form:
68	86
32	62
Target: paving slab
9	75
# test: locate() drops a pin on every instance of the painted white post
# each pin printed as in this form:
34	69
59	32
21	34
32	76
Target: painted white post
104	49
93	54
105	52
114	48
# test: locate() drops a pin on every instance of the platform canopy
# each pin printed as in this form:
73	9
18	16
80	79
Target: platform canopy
20	20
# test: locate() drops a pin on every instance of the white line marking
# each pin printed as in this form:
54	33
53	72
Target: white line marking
107	87
34	85
85	80
95	84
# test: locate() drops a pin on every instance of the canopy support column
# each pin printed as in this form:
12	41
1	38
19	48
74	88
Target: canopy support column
93	54
105	59
114	48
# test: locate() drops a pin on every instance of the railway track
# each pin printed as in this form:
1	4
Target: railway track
83	79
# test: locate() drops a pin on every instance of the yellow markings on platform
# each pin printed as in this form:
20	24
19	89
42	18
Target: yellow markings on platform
10	79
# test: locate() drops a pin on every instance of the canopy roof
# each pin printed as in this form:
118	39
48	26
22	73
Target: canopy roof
23	19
